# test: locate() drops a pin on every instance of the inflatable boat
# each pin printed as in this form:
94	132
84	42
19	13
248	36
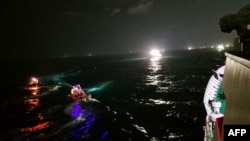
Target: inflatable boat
33	84
77	93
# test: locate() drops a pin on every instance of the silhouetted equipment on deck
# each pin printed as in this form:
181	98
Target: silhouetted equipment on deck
239	22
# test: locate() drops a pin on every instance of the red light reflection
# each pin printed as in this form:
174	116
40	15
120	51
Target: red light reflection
32	103
40	126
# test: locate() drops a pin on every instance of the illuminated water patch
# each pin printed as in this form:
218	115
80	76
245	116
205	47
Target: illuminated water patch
79	114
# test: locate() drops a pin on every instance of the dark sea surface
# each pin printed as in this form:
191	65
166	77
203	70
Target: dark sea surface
136	97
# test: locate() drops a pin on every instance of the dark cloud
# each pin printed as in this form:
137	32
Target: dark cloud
142	7
116	11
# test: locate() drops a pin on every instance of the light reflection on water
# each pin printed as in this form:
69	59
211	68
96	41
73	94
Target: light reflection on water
83	122
164	84
141	128
167	93
37	127
83	115
153	78
170	112
156	78
32	103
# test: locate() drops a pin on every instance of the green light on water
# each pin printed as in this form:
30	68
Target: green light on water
101	87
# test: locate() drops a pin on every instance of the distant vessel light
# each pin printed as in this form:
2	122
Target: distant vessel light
155	53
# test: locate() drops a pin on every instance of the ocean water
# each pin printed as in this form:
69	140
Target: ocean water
135	97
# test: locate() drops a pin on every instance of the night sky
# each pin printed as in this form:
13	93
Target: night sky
72	28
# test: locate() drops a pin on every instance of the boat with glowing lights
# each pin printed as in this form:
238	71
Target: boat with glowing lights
33	84
77	93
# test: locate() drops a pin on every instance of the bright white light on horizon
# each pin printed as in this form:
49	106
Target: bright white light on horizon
190	48
155	53
220	47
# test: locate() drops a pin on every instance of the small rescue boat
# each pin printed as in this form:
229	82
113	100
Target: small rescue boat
78	94
33	84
